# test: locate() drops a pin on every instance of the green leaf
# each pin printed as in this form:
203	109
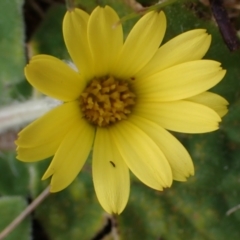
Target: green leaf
51	26
12	58
231	124
73	213
10	208
15	179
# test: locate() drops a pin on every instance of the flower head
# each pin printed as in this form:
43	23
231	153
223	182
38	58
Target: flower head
120	102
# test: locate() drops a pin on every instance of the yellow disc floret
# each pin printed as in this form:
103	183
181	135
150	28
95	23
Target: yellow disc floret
106	101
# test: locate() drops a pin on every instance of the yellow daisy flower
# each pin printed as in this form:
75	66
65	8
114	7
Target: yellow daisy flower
120	101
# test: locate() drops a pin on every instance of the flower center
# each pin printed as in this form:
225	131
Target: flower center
106	101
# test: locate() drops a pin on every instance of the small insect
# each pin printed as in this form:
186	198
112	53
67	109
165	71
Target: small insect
112	163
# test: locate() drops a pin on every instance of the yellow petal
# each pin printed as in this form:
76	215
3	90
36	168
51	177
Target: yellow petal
181	81
188	46
140	45
105	39
54	78
180	116
177	156
71	156
39	152
51	127
75	37
110	174
142	155
212	100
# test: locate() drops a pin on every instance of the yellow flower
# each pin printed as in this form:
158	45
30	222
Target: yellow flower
119	103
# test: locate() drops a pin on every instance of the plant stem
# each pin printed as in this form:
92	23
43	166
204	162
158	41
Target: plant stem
161	4
17	115
24	214
232	210
70	5
144	10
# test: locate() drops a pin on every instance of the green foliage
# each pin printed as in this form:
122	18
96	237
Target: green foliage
74	212
193	210
51	26
12	50
11	207
12	173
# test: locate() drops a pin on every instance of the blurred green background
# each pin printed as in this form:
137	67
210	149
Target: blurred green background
193	210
